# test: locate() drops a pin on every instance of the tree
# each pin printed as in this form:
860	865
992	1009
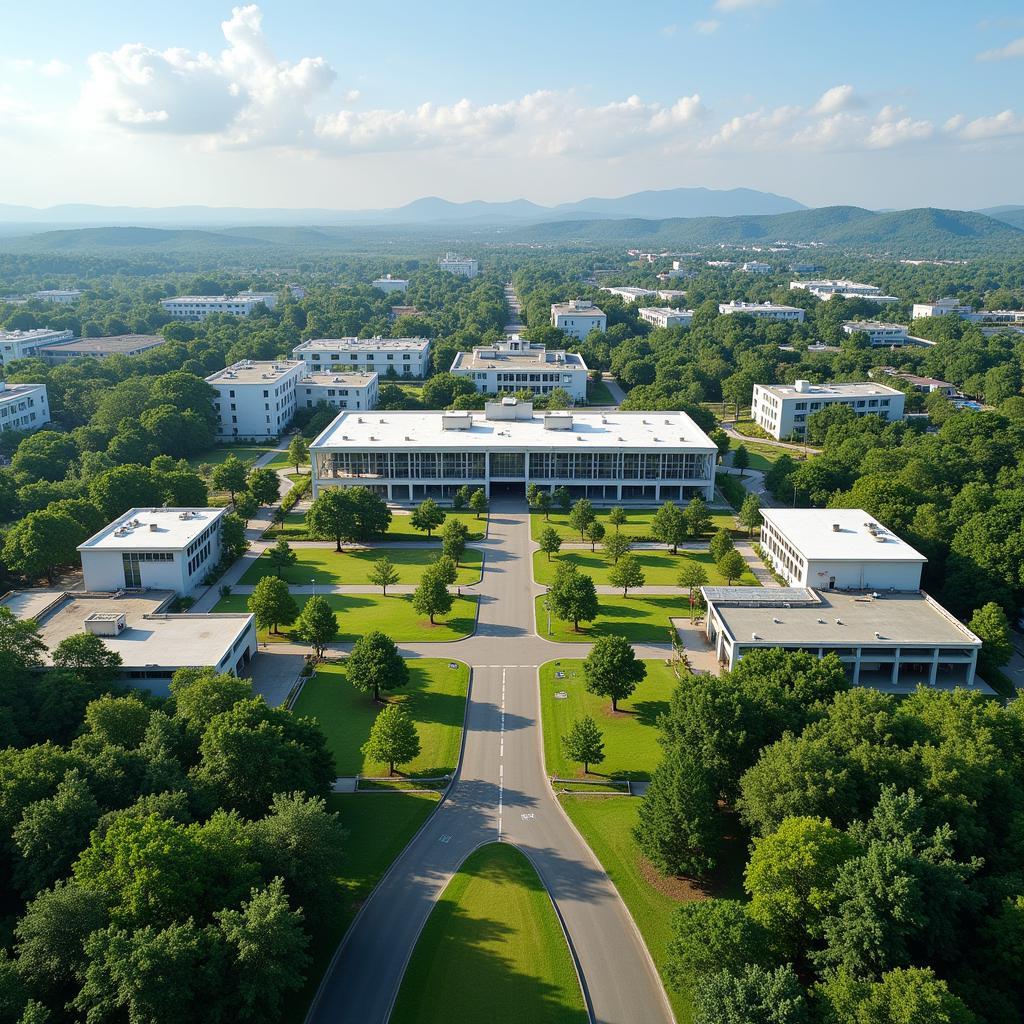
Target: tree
40	542
298	451
612	669
750	513
393	738
626	572
573	596
281	556
87	656
692	577
731	566
229	476
374	664
460	499
532	493
125	487
550	542
431	597
768	996
698	518
384	574
427	515
581	516
232	536
584	743
246	506
272	604
331	516
562	499
478	502
118	721
543	504
669	525
990	625
902	994
721	543
722	442
740	458
263	484
595	533
317	625
616	517
454	535
616	545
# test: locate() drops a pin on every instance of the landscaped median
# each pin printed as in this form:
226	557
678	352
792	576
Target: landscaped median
660	568
637	525
400	528
641	620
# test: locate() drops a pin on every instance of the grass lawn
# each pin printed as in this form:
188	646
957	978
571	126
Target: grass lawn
280	460
400	529
637	524
360	613
639	619
325	565
378	829
215	456
598	393
631	749
435	699
764	456
661	568
491	951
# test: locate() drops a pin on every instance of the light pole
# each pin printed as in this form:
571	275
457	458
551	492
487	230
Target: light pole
313	582
547	607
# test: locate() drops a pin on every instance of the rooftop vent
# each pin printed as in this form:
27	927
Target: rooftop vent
754	636
777	621
105	623
836	528
153	527
839	622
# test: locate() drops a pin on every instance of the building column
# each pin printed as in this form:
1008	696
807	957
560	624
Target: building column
973	667
856	666
933	672
895	666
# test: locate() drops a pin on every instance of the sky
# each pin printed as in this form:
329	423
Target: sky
349	106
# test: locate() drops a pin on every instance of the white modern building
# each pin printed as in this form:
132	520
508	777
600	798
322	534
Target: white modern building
342	390
756	267
666	316
517	365
630	295
255	399
782	409
407	357
578	317
154	549
926	385
199	307
100	348
389	284
23	406
670	294
454	264
763	311
878	333
24	344
940	307
61	296
824	288
620	456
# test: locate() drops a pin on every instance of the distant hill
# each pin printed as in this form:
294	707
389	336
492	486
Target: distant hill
684	202
1007	214
93	239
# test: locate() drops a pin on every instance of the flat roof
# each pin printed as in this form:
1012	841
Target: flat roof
833	282
250	371
858	389
175	529
15	390
568	307
531	359
595	430
666	311
873	325
758	305
627	289
113	344
240	297
36	332
388	277
362	344
352	380
860	537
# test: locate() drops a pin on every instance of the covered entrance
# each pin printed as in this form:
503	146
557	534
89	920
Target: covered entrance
508	489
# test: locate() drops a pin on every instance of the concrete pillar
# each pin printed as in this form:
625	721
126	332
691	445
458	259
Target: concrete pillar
895	666
934	670
856	666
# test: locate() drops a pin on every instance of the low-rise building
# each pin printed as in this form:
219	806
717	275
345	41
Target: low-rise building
806	268
666	316
25	344
399	311
630	295
783	409
255	399
23	406
454	264
389	284
763	311
940	307
154	549
878	332
756	267
518	365
578	317
100	348
199	307
926	385
825	287
297	291
406	357
61	296
342	390
721	264
670	294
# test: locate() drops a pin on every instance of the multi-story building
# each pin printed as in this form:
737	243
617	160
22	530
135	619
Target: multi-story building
763	311
516	365
940	307
61	296
407	357
455	264
199	307
578	317
630	295
782	409
342	390
100	348
388	284
823	288
297	291
756	267
926	385
23	406
805	268
24	344
255	399
878	333
620	456
669	294
666	316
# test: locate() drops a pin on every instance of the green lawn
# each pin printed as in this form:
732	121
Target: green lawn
764	456
661	568
492	951
598	393
637	525
378	827
631	748
435	699
639	619
400	530
215	456
360	613
325	565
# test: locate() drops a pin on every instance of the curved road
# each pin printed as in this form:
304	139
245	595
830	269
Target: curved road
500	792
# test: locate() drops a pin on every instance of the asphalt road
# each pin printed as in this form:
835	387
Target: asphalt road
501	792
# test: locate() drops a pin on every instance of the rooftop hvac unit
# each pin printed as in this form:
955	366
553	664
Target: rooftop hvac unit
778	622
836	528
754	636
839	622
153	527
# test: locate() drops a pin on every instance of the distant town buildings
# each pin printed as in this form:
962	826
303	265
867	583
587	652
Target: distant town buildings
255	399
100	348
516	365
878	333
940	307
825	289
578	317
763	311
782	409
389	284
630	295
805	268
756	267
406	357
61	296
666	316
25	344
453	264
199	307
23	406
990	321
669	294
342	390
926	385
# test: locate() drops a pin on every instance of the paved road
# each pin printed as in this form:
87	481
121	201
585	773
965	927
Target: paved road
501	792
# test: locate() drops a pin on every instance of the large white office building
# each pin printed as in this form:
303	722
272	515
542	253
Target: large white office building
940	307
763	311
60	296
342	390
199	307
630	295
407	357
782	409
25	344
878	333
99	348
578	317
756	267
516	365
666	316
389	284
452	263
825	288
23	406
154	549
620	456
255	399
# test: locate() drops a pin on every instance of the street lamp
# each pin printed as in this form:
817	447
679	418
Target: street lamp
547	607
313	582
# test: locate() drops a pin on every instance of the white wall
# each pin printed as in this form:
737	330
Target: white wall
881	575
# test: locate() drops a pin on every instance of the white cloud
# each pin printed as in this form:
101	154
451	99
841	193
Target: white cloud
739	5
839	97
997	125
1010	51
954	123
705	28
50	69
887	133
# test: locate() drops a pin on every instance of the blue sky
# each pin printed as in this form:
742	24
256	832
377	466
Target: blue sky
357	105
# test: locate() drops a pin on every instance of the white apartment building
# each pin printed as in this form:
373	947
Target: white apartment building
578	317
23	344
940	307
756	267
878	332
342	390
782	409
516	365
61	296
389	284
620	456
23	406
668	294
630	295
100	348
407	357
154	549
255	399
199	307
763	311
455	264
721	264
823	288
666	316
